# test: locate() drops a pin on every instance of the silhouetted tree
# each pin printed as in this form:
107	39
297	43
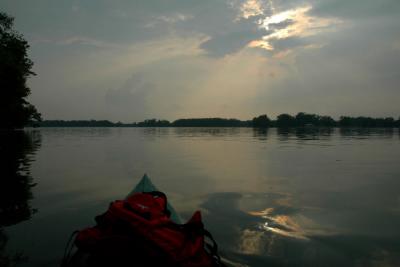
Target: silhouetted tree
366	122
302	119
209	122
327	121
153	123
79	123
285	120
305	119
261	121
15	68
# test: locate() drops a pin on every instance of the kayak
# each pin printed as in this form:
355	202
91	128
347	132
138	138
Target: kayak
176	242
145	185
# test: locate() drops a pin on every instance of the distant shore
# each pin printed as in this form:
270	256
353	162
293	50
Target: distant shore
263	121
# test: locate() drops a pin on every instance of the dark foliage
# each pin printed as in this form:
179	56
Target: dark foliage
15	68
210	122
261	121
301	120
285	120
77	123
153	123
367	122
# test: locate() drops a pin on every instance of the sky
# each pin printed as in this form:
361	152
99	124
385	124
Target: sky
130	60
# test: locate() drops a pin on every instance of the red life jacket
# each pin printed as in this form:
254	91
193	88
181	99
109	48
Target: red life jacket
138	229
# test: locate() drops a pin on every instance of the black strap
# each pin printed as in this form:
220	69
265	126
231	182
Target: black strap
68	250
213	249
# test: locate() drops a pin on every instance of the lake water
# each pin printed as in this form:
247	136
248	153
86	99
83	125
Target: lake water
314	197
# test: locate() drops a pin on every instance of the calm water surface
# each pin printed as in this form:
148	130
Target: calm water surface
271	198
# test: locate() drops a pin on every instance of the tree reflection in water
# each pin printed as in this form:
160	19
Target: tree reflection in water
17	149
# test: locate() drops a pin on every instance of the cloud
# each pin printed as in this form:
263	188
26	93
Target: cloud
251	8
229	25
228	43
132	96
171	19
77	41
82	40
134	90
355	10
261	24
292	23
396	45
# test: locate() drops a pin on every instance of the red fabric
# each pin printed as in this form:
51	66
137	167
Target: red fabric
143	215
146	203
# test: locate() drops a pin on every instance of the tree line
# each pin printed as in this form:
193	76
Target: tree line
301	119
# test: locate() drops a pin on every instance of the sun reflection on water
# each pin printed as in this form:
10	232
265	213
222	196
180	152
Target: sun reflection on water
279	224
266	237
